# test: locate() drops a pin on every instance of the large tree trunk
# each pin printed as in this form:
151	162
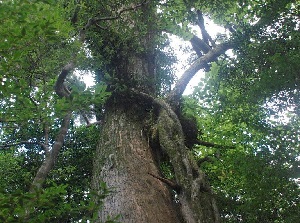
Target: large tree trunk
128	164
124	160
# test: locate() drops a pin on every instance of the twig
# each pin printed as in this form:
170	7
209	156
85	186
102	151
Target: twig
33	101
44	146
210	144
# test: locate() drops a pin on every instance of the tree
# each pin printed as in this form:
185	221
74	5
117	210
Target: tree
143	126
254	179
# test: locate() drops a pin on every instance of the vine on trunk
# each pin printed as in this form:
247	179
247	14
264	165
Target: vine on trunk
197	202
195	196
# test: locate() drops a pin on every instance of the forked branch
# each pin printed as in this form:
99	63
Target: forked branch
199	46
205	36
175	95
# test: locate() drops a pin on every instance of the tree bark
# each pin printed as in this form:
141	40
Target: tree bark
123	160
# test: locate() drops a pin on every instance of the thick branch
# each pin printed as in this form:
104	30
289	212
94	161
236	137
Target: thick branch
160	103
195	192
62	91
199	46
85	117
204	159
60	88
51	157
46	135
119	12
94	123
175	95
132	6
205	36
193	188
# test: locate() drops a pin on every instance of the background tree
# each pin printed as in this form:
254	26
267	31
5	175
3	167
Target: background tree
146	128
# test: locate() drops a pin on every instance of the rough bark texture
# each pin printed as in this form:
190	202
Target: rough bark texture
123	161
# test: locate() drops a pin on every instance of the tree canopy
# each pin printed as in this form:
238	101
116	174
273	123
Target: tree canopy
240	123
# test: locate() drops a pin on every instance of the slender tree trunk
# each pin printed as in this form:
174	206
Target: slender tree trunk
124	160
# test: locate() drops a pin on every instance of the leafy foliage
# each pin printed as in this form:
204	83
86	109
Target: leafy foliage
67	196
248	103
254	180
50	204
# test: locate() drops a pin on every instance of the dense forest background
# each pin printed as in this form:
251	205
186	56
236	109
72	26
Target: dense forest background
240	124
